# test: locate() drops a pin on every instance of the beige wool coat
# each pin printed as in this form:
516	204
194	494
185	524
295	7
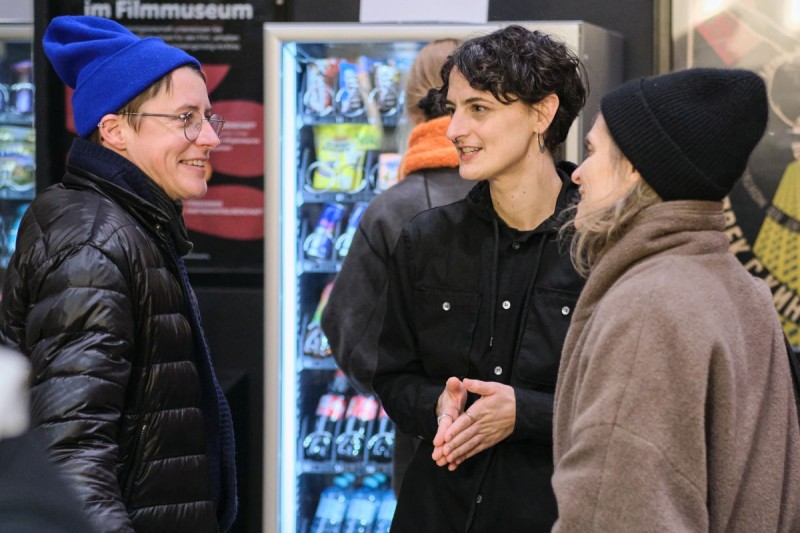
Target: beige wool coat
674	406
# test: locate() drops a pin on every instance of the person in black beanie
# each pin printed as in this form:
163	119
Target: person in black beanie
123	392
675	405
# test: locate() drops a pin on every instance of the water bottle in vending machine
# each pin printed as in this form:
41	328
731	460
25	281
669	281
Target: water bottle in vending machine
385	512
332	506
362	511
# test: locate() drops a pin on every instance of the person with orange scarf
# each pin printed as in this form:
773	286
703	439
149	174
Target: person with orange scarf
428	177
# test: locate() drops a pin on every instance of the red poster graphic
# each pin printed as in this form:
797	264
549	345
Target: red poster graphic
241	153
229	211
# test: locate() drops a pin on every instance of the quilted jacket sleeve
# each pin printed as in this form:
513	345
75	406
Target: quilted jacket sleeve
72	314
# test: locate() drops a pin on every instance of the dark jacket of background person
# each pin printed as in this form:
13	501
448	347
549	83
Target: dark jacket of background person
428	177
94	297
666	319
354	313
443	288
33	496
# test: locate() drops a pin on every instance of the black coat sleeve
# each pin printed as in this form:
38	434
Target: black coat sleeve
407	393
78	333
33	495
353	316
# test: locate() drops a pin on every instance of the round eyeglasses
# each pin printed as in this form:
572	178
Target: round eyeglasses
192	122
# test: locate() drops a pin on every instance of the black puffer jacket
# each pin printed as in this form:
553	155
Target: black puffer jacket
93	296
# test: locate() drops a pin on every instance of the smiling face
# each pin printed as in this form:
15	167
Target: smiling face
605	175
493	139
160	148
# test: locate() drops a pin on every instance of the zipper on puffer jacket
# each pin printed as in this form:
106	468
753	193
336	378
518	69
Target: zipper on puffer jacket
136	463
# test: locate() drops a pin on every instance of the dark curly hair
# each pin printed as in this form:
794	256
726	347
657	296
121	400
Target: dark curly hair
516	64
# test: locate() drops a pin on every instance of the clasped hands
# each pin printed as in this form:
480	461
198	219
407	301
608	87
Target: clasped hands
462	434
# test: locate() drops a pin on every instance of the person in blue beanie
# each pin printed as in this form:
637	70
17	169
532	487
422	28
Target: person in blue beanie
97	296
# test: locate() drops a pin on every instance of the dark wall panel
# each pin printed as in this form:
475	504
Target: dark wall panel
633	19
233	319
322	10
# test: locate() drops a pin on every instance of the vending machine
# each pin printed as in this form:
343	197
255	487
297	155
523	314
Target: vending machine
17	135
334	131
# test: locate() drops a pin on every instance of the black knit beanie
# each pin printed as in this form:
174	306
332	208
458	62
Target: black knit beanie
689	133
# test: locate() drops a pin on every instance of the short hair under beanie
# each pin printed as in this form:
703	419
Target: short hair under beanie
106	64
691	132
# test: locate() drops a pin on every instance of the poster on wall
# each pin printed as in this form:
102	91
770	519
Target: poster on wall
763	210
226	226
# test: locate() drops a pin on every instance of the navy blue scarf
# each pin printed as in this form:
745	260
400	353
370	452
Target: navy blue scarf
219	428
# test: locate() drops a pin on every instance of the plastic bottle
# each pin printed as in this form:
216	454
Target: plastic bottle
362	511
380	446
346	238
385	512
332	506
350	442
315	342
318	443
319	243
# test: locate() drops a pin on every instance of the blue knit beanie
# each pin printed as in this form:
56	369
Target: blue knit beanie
689	133
106	64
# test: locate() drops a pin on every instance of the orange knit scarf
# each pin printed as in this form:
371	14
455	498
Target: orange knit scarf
428	148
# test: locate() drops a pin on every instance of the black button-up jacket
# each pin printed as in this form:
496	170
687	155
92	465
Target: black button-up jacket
470	297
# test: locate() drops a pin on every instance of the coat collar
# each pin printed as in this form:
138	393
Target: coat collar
479	200
685	227
119	179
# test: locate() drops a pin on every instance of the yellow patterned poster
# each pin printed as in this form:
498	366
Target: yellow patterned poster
763	210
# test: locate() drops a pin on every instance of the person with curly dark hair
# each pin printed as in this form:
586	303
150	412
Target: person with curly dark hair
480	295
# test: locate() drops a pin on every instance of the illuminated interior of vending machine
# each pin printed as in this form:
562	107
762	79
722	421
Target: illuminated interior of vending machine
335	128
349	110
17	135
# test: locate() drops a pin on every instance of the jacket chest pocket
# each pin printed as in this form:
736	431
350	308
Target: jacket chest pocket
445	323
546	327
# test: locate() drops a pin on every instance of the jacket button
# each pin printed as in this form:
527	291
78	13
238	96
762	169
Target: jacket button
479	499
506	304
498	370
515	245
446	306
565	310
